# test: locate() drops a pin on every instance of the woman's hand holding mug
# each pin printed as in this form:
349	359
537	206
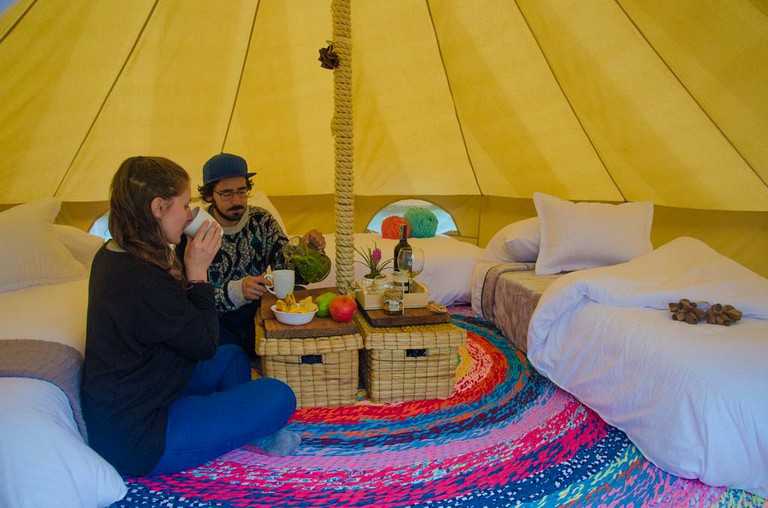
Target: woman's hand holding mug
202	247
199	217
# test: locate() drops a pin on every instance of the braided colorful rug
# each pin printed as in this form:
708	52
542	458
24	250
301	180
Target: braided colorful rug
506	437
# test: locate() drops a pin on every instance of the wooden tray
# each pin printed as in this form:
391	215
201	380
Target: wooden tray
419	297
418	316
318	327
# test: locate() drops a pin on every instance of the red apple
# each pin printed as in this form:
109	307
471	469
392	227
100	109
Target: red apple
342	308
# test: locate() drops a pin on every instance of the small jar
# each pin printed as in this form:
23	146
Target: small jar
400	280
392	301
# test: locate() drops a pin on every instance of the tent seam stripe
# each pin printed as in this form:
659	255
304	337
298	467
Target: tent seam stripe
18	20
570	104
453	101
240	79
690	94
106	97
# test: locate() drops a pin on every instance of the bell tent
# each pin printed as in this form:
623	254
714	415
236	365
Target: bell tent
472	105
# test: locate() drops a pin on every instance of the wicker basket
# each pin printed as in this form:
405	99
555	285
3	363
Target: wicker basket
323	371
411	362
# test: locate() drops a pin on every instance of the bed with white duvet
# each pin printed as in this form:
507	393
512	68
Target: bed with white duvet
693	398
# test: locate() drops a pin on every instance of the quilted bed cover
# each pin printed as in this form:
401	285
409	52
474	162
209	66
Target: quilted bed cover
693	398
42	336
506	294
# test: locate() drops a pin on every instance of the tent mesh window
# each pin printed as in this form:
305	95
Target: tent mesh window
100	227
445	223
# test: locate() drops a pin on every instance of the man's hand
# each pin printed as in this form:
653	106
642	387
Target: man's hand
254	287
315	239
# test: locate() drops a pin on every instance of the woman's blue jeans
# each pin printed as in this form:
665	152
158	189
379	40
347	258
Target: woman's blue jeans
222	409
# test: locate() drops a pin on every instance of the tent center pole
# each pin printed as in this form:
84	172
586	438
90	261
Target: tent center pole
341	127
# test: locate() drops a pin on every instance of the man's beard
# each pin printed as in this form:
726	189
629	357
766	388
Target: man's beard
233	214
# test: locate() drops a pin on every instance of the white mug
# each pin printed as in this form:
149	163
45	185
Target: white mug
282	282
199	217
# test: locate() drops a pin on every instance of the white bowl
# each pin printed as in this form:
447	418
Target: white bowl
294	318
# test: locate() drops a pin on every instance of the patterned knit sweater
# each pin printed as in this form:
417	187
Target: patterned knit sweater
247	248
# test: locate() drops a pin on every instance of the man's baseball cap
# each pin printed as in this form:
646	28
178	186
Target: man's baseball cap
224	165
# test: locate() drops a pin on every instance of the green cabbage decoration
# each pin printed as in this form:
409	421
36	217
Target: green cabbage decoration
311	264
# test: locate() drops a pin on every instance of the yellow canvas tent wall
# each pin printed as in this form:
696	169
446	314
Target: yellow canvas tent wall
473	105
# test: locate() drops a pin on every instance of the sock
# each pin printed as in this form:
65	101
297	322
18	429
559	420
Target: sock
279	444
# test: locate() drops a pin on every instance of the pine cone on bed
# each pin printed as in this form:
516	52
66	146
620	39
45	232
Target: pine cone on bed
686	310
724	315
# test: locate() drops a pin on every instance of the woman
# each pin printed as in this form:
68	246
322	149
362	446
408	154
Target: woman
158	395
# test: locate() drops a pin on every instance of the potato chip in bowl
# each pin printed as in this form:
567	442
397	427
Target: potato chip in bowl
290	312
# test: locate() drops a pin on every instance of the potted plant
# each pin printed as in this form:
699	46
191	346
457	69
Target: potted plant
374	280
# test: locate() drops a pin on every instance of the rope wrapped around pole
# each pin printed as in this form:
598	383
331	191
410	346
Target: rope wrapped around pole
341	128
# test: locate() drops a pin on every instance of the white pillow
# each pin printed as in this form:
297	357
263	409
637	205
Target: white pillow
515	243
577	236
30	252
262	201
82	245
43	459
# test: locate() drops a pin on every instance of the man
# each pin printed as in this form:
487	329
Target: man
252	241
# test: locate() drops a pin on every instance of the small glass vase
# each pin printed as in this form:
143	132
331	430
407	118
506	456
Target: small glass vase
374	285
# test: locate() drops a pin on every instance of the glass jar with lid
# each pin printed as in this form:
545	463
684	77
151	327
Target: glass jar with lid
392	301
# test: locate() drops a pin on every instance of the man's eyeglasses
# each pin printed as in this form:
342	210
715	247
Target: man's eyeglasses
229	195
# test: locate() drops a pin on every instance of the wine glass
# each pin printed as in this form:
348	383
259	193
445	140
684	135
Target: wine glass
411	261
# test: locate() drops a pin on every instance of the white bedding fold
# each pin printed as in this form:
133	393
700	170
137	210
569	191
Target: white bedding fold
683	268
693	398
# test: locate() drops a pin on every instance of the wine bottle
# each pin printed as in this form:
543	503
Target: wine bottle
400	278
402	244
